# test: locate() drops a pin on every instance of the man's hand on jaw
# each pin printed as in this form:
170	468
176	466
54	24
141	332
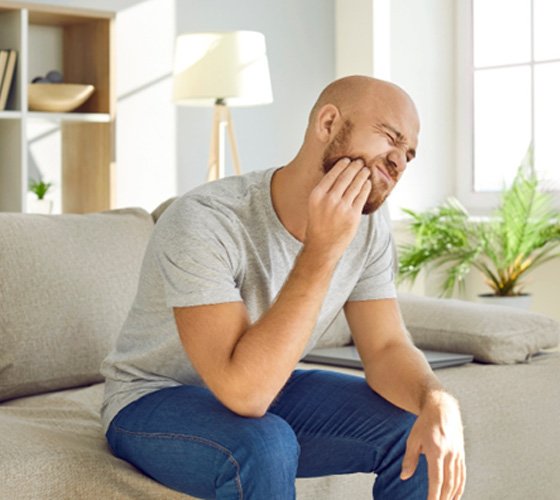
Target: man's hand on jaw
335	207
438	433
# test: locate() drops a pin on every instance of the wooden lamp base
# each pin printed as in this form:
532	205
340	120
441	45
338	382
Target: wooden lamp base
221	123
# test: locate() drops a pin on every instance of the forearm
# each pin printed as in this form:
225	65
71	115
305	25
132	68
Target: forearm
401	374
267	352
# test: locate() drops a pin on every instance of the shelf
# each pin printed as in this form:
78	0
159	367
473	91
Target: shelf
78	147
69	117
57	117
10	115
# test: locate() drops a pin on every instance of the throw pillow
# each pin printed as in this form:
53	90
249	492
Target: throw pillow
493	334
66	285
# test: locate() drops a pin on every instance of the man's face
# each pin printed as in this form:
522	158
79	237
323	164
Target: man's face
383	147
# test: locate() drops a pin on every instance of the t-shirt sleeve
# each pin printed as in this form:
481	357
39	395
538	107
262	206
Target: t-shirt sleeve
377	280
196	256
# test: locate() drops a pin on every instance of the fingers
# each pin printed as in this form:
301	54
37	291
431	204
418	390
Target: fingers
449	478
331	176
410	460
444	451
356	188
347	179
462	475
446	478
435	478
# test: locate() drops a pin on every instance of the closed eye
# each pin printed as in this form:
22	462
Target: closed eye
410	154
392	139
397	139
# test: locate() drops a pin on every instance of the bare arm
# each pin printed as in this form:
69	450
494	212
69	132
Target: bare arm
245	365
398	371
394	367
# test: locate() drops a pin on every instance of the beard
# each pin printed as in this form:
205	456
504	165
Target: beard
337	149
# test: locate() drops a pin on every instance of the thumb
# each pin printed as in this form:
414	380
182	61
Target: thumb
410	462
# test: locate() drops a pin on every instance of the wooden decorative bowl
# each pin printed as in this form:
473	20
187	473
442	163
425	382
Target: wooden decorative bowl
58	97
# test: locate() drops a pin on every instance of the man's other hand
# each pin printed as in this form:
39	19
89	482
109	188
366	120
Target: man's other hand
438	433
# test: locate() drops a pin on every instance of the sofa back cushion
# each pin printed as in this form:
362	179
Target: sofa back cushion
66	285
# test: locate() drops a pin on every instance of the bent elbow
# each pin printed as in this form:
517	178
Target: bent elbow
245	405
249	412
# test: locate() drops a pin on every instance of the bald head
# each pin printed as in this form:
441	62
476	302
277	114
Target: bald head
353	93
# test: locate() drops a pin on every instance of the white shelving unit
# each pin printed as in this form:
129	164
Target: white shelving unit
70	117
10	115
86	135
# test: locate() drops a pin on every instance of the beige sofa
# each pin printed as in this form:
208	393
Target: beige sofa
66	283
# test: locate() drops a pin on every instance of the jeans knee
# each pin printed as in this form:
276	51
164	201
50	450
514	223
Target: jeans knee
263	463
276	441
272	445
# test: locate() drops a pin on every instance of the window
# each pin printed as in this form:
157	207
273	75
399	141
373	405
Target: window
509	94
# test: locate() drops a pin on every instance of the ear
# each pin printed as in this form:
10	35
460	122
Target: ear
325	121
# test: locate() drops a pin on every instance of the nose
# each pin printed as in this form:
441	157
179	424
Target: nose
397	160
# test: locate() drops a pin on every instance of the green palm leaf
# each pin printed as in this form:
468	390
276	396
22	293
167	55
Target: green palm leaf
523	233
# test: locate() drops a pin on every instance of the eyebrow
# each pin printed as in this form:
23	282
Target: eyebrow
401	138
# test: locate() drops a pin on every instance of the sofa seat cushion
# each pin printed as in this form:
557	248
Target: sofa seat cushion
53	447
493	334
67	283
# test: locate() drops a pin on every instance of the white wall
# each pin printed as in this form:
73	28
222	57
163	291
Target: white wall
354	37
422	62
146	116
300	46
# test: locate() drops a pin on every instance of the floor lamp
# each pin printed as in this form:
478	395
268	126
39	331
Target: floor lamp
221	70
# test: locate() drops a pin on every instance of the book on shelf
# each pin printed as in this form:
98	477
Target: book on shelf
7	75
3	62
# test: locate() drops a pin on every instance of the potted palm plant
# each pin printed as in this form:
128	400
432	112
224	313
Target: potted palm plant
39	204
523	233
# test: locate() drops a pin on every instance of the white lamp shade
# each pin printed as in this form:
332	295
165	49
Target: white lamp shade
231	66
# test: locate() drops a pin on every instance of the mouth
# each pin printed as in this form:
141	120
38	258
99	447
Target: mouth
384	174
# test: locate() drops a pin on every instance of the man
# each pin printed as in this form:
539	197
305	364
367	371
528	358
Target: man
240	279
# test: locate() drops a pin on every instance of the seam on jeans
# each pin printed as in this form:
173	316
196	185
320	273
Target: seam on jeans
196	439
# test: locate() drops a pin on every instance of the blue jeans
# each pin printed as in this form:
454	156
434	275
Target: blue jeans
321	423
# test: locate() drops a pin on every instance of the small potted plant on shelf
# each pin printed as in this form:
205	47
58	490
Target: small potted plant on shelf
39	204
523	233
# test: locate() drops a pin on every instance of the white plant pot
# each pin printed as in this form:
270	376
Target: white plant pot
35	206
517	301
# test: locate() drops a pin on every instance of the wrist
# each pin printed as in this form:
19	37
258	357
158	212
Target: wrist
436	399
319	257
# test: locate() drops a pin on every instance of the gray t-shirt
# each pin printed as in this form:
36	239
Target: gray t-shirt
223	242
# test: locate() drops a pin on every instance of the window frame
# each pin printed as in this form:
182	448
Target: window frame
478	203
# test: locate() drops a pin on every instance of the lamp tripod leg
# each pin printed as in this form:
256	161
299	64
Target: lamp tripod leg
214	147
232	143
216	164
